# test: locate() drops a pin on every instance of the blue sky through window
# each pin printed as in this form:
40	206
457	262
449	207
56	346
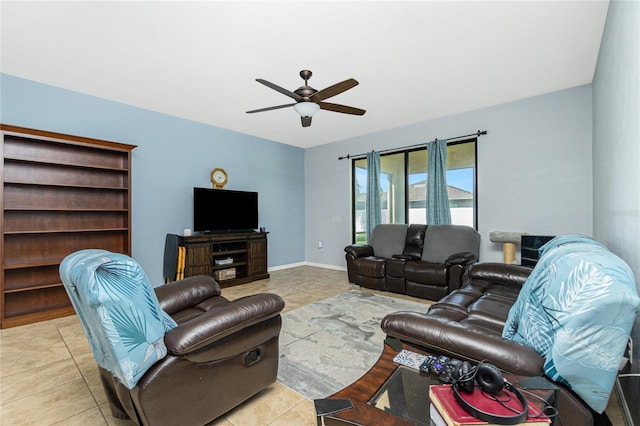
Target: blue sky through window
461	178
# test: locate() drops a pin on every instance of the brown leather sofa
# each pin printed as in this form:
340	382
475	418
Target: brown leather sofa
426	261
467	324
221	353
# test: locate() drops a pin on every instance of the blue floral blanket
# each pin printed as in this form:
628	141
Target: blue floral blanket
576	310
118	310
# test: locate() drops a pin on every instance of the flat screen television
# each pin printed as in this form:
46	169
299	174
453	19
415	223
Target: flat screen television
221	210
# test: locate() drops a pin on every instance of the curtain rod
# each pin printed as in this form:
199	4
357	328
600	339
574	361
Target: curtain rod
477	134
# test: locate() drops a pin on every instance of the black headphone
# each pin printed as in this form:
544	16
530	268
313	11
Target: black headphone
490	379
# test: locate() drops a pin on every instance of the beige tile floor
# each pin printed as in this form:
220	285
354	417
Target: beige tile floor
48	375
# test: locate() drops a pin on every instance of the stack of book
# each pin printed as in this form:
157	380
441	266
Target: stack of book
445	410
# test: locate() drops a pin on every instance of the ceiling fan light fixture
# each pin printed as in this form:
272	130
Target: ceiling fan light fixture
309	100
306	109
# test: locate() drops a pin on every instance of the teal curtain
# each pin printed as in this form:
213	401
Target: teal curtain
373	207
438	211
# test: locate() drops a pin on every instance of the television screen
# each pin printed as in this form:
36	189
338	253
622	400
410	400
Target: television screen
217	210
530	248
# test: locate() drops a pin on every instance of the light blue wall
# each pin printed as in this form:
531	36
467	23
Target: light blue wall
534	174
173	156
616	140
616	134
534	171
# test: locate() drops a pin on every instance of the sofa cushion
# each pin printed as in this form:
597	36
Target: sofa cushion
388	239
370	266
426	273
485	307
395	268
441	241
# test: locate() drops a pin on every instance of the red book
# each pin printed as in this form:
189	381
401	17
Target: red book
453	414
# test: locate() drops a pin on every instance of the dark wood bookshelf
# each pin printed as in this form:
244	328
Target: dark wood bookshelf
60	193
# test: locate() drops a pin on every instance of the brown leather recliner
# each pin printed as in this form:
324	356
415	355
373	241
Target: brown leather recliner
418	260
467	324
221	353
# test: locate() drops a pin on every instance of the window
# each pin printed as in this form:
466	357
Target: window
403	178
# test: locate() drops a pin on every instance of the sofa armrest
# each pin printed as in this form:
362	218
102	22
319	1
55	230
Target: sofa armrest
359	250
183	294
444	336
502	273
462	258
221	322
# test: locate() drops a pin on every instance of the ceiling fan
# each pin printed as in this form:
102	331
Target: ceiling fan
309	100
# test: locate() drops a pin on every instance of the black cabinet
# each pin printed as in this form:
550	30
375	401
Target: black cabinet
229	258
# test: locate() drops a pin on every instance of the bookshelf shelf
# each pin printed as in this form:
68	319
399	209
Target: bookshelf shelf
64	164
33	288
64	185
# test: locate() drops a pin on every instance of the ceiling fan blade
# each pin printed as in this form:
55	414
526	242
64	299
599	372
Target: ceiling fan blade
341	108
270	108
280	89
306	121
336	89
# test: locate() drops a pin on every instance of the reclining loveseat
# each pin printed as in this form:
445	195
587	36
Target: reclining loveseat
426	261
568	320
177	354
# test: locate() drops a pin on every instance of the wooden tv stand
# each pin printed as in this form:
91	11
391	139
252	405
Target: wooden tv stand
206	255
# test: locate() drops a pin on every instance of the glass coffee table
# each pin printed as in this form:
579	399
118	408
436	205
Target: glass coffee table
394	395
406	395
389	394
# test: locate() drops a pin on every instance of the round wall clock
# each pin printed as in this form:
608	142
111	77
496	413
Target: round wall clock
219	178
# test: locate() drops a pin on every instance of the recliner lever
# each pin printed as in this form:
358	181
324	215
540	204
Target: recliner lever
252	356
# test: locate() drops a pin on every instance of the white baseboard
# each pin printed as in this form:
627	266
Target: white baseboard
317	265
322	265
288	266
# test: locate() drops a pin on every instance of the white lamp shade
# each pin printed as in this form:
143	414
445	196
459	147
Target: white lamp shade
306	109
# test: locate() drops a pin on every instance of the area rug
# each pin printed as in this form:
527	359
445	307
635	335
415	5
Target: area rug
327	345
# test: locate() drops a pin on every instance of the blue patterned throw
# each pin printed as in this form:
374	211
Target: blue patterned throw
576	310
118	310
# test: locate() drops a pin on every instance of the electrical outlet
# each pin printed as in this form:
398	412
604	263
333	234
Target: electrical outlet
320	244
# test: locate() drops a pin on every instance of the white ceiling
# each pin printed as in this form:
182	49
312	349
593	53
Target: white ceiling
199	60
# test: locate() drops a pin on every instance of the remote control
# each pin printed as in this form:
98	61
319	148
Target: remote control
434	364
448	372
